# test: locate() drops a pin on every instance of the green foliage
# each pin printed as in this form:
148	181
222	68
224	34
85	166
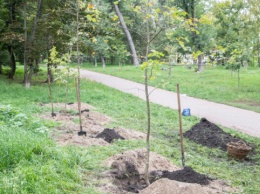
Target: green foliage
235	61
153	63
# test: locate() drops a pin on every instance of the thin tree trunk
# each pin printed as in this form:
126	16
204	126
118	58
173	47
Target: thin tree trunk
50	90
146	177
49	65
12	61
25	79
95	61
103	61
81	132
30	73
258	51
10	46
128	35
148	129
238	78
200	64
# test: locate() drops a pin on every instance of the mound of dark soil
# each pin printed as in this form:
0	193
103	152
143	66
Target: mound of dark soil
109	135
210	135
187	175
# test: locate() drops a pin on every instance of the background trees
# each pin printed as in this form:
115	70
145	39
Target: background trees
209	33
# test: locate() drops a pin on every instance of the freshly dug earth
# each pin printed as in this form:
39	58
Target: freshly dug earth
127	169
109	135
127	173
92	122
210	135
187	175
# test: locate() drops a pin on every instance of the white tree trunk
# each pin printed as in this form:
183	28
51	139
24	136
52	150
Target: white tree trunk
128	35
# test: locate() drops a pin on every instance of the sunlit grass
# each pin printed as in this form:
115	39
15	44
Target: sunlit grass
35	164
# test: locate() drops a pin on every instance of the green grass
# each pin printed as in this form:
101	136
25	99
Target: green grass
215	84
33	163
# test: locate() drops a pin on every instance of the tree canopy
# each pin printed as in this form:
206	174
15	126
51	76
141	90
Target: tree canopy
198	31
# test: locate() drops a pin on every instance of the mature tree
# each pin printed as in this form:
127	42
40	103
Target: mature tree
201	32
128	34
10	34
253	15
230	26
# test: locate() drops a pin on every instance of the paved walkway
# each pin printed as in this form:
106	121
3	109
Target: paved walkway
231	117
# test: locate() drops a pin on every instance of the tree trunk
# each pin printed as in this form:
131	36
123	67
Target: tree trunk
78	78
95	61
25	75
1	70
128	35
148	129
103	61
146	175
31	72
258	52
29	41
12	62
10	46
49	65
200	64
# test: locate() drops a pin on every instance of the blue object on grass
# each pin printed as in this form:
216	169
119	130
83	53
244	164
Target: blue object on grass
186	112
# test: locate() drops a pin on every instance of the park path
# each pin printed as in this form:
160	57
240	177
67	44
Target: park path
235	118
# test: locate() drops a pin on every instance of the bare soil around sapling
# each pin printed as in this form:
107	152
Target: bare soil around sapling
93	123
126	174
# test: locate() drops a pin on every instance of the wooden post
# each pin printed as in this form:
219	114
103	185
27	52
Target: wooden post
180	123
81	132
52	109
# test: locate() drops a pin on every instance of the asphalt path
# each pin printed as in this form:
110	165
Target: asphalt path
235	118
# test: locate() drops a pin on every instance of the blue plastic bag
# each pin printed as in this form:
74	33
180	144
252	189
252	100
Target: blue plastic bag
186	112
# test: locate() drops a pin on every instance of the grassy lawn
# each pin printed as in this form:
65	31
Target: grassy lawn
30	162
215	84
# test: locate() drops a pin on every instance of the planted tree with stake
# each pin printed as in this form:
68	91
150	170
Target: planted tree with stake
157	19
63	72
84	17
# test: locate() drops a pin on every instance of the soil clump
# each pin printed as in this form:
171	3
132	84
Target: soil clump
187	175
210	135
109	135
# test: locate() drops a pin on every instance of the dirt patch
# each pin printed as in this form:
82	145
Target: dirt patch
127	169
92	122
187	175
210	135
109	135
167	186
127	173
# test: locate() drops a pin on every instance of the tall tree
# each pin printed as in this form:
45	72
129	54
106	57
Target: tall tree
128	35
29	44
192	18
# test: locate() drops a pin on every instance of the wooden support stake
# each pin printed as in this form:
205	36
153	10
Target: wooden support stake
180	123
52	109
81	132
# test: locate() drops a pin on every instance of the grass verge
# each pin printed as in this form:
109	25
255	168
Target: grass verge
35	164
